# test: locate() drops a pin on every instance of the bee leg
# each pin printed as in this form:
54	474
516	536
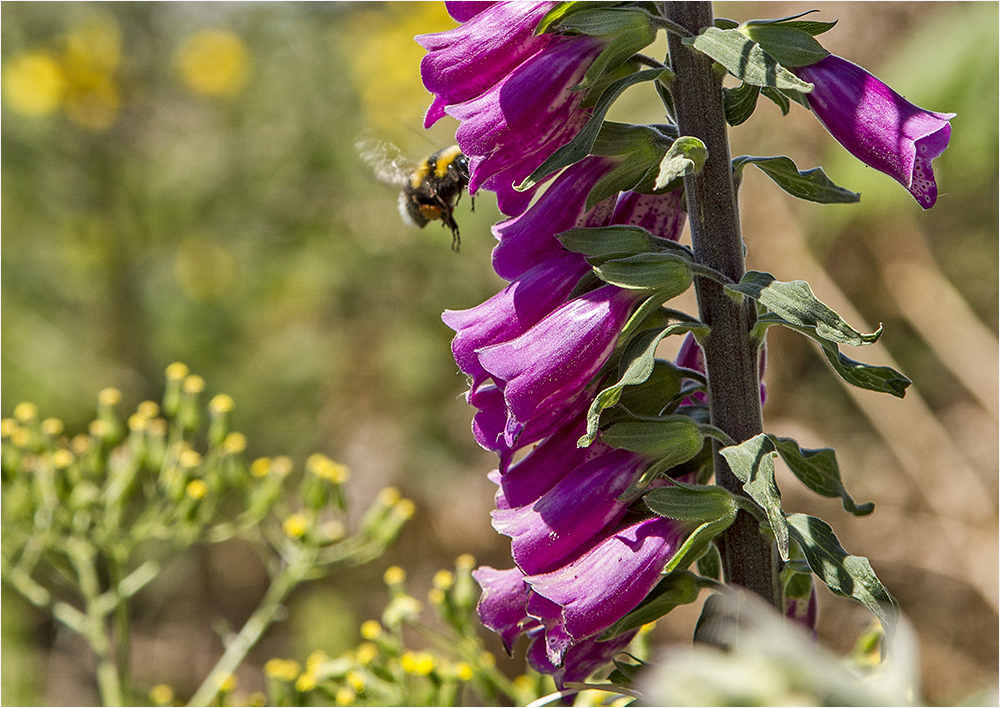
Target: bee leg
456	240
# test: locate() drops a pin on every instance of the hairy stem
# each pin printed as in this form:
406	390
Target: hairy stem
748	558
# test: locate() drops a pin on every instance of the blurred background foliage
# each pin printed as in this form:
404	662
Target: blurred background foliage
180	184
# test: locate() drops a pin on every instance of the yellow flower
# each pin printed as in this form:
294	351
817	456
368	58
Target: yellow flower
188	459
463	671
357	681
197	489
315	659
52	426
367	652
137	422
418	663
295	526
305	682
260	467
282	669
214	63
161	694
443	579
325	468
177	371
193	384
227	684
466	561
371	629
21	437
388	496
148	409
394	575
223	403
345	696
61	459
109	396
404	509
33	84
25	412
234	443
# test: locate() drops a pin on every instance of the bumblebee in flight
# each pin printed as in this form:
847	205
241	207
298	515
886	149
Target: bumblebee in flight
429	190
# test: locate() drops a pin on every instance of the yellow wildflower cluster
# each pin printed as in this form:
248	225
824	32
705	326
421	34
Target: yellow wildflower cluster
418	663
296	525
325	468
282	669
214	63
81	79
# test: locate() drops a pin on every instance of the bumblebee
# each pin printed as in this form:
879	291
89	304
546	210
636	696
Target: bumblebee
429	190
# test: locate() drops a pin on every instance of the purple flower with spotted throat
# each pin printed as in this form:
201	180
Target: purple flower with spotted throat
877	125
586	596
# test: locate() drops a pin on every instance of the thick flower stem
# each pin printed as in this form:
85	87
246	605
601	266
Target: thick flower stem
731	356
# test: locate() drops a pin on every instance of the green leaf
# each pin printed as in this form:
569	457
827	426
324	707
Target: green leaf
813	27
675	437
624	138
818	470
649	314
778	98
628	175
637	363
679	588
811	185
740	103
883	379
686	156
745	59
599	21
712	508
564	10
580	146
844	574
752	462
790	45
795	302
617	241
634	31
665	272
710	564
646	398
608	241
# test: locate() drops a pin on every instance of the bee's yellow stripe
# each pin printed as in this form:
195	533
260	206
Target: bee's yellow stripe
419	174
446	157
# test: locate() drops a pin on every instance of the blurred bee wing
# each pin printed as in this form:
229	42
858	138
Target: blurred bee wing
389	164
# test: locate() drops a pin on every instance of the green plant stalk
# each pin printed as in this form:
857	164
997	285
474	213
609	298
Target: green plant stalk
122	627
284	582
83	557
731	354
